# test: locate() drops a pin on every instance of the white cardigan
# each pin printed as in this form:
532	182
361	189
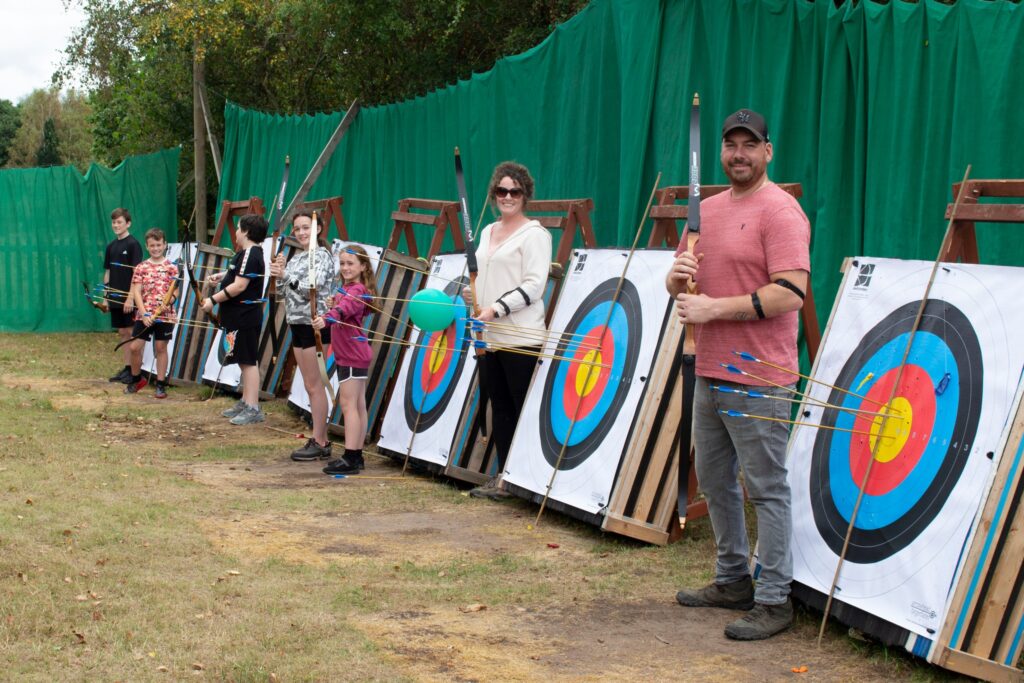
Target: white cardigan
512	281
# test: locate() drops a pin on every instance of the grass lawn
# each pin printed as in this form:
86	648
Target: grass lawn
150	540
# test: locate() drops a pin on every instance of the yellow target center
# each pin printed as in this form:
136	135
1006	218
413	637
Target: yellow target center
896	432
586	378
438	353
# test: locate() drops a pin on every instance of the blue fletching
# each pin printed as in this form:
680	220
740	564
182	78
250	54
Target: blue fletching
341	476
746	356
727	390
732	413
477	344
475	325
732	368
361	338
756	394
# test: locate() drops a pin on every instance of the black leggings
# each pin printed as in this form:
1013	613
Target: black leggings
504	379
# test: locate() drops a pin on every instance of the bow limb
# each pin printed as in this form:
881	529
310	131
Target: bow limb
311	272
197	290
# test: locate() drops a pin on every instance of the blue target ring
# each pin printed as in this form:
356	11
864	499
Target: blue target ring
618	329
934	357
428	390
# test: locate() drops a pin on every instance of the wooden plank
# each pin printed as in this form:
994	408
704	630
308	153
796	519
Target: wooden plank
418	218
651	449
988	213
558	205
641	532
993	188
971	665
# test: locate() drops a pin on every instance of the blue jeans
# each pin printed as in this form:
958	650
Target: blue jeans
723	445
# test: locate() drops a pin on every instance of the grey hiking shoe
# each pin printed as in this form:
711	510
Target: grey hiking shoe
764	621
234	410
312	451
733	595
248	415
492	490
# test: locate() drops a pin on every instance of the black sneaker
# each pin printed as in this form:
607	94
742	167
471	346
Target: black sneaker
764	621
125	374
161	389
733	595
312	451
349	464
135	384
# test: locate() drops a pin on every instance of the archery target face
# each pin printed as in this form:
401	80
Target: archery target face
931	464
585	395
174	254
433	383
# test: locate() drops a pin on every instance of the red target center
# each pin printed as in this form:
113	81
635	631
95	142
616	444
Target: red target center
436	358
898	443
589	369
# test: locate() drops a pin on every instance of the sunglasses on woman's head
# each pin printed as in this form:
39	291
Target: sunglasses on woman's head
502	192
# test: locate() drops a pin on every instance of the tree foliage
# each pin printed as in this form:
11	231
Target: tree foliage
69	117
289	56
10	121
48	153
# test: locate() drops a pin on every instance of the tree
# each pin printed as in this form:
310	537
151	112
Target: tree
10	121
70	114
48	153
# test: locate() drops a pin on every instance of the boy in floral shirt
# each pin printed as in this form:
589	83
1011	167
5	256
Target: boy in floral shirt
154	285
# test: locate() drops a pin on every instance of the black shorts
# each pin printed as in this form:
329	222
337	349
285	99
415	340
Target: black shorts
347	372
302	336
246	347
119	319
159	331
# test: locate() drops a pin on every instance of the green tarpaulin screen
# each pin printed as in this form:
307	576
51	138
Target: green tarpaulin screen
875	108
54	225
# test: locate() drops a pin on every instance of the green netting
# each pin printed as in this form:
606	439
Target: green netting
54	225
876	109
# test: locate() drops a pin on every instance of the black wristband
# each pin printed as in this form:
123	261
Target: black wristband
783	282
756	300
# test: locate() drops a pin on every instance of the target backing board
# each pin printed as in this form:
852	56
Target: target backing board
581	413
297	396
174	255
435	376
231	375
933	456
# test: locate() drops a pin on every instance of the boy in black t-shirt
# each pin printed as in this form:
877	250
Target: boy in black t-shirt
122	255
241	313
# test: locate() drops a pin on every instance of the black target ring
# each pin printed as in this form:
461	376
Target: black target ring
948	324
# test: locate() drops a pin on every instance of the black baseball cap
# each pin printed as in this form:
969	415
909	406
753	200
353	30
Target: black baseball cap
747	120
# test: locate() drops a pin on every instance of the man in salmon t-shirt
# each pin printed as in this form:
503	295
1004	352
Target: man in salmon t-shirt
750	266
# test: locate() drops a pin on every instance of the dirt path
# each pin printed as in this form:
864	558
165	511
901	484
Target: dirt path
576	629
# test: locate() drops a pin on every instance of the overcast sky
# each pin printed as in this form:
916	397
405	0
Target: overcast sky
33	34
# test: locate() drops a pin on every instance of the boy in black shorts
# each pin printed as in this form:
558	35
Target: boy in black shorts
153	290
241	311
122	255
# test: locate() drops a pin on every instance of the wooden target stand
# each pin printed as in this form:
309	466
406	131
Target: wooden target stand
644	499
399	276
277	366
981	635
195	338
473	457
